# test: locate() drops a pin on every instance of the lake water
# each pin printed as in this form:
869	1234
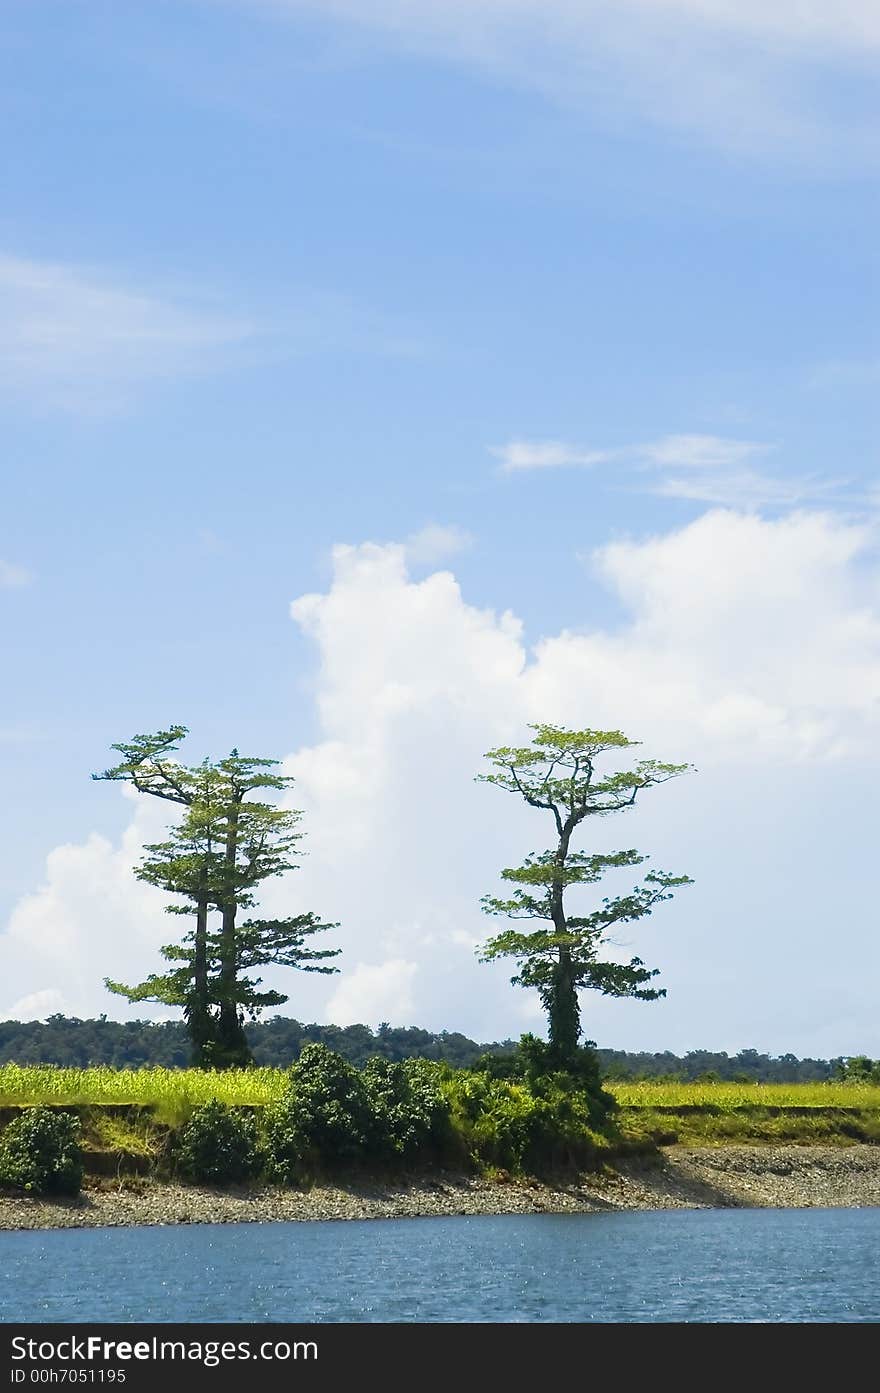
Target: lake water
676	1265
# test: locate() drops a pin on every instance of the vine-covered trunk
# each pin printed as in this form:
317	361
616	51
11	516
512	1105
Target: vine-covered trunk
562	1004
564	1012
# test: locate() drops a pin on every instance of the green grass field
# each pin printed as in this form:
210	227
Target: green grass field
728	1096
128	1115
181	1089
172	1092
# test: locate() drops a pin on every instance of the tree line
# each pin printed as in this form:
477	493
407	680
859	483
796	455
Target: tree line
230	840
73	1043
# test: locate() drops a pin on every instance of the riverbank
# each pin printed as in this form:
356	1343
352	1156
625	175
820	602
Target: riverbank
725	1177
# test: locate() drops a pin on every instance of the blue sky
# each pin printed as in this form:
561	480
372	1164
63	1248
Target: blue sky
525	291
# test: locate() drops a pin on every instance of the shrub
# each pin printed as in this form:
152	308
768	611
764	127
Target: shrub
534	1064
218	1145
40	1152
521	1125
410	1115
324	1116
859	1068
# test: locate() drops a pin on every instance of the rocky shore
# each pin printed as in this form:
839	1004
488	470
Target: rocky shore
680	1178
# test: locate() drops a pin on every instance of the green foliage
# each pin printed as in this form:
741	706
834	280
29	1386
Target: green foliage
520	1125
218	1145
514	1112
410	1115
40	1152
556	771
323	1117
859	1068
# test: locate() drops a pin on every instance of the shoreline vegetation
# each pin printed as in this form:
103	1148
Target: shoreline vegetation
676	1177
500	1145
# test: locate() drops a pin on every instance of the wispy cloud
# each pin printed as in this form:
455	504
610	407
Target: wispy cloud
756	79
680	451
543	454
747	489
13	577
80	341
705	468
85	342
698	451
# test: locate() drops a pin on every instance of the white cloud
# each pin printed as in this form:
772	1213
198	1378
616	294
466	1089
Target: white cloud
13	577
37	1006
79	340
376	992
89	919
751	647
435	543
544	454
737	75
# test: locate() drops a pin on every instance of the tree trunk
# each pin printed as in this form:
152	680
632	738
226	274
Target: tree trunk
232	1043
199	1022
562	1003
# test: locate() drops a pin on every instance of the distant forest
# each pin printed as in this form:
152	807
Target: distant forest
66	1040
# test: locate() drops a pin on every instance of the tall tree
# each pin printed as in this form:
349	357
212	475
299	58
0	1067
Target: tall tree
148	764
258	841
225	847
557	774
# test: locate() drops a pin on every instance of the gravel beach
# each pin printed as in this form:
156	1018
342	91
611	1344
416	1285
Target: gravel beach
788	1176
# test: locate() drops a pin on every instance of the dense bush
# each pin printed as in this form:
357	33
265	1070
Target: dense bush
218	1145
533	1064
521	1119
331	1112
323	1117
859	1068
410	1114
40	1152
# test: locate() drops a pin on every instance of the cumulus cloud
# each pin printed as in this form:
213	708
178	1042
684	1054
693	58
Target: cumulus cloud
371	993
37	1006
750	647
89	919
741	76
